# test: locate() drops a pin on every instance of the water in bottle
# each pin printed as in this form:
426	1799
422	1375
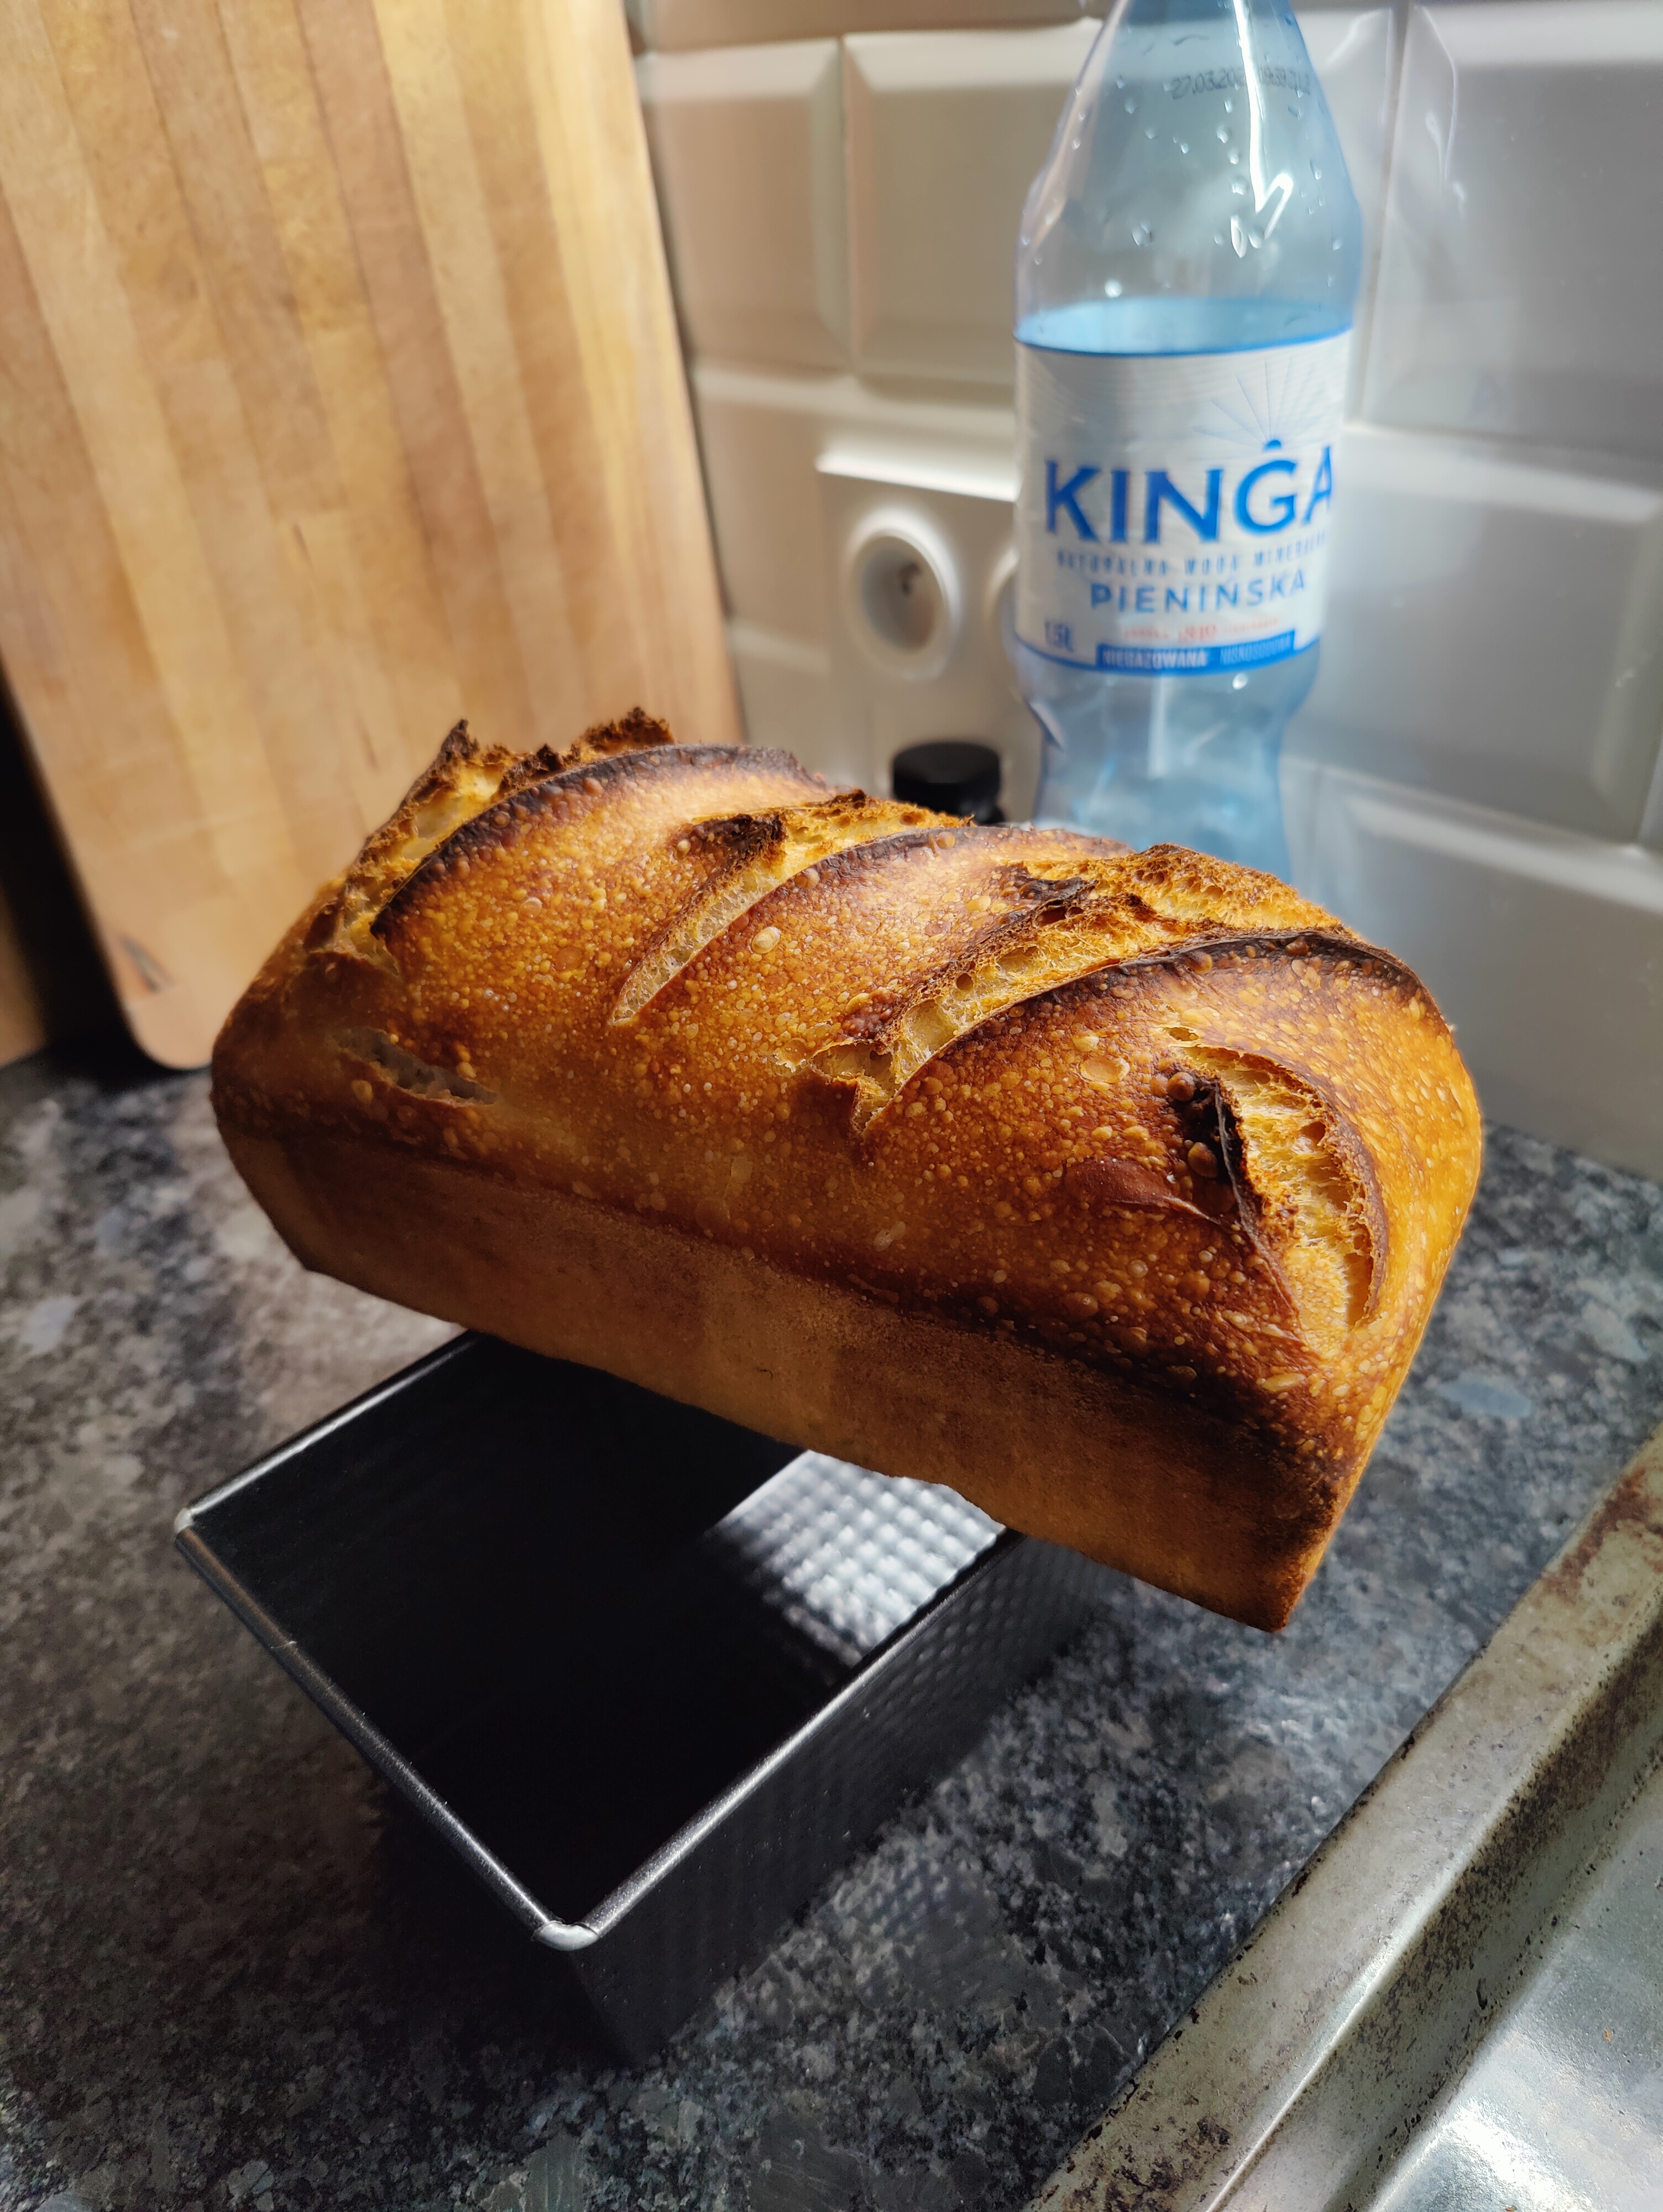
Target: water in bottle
1187	269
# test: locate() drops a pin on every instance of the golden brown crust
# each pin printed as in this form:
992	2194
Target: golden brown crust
1149	1161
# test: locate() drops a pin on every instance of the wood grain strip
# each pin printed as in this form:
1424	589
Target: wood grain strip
182	255
468	282
70	623
391	642
368	152
287	480
645	461
487	46
77	280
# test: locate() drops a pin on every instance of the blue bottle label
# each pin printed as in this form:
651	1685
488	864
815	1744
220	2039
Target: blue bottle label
1174	509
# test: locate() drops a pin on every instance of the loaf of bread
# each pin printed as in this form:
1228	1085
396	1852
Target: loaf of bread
1112	1188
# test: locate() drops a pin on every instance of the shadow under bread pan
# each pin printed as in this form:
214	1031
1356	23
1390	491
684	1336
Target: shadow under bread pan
652	1676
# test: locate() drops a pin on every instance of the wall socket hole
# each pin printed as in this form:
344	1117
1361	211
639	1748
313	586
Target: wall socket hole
900	597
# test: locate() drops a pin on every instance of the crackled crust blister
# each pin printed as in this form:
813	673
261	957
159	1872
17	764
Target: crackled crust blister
1153	1113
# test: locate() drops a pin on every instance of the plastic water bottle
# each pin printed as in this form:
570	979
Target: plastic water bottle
1188	265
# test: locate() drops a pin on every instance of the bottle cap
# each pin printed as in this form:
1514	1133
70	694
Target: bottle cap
954	775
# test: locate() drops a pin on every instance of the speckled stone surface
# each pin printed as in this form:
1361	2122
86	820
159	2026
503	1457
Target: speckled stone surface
232	1976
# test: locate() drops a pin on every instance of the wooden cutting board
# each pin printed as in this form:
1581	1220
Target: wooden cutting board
340	396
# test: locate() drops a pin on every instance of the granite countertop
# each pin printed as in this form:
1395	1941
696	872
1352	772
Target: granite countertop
234	1976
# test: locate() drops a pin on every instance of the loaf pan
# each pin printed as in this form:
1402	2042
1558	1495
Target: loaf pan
653	1677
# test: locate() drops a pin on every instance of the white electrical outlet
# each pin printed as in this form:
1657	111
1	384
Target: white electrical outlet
919	552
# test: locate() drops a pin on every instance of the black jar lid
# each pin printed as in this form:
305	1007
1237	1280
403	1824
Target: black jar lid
954	775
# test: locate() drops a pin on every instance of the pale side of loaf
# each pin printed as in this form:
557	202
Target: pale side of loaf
1114	1189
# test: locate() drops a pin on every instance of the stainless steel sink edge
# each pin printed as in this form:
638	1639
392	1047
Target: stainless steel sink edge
1308	2066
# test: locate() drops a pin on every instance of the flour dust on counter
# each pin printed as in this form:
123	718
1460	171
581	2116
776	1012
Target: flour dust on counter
237	1978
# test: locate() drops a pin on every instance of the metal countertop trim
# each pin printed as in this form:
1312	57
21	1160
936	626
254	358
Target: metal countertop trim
1306	2067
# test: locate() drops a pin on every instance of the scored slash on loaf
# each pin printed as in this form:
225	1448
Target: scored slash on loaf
1112	1188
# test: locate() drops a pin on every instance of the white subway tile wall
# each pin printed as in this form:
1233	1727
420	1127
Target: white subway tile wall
1351	51
748	150
1494	627
760	436
946	131
1476	780
1520	290
785	696
669	25
1544	947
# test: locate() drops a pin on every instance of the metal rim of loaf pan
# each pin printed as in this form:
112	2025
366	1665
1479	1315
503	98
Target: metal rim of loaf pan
439	1505
1457	2000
